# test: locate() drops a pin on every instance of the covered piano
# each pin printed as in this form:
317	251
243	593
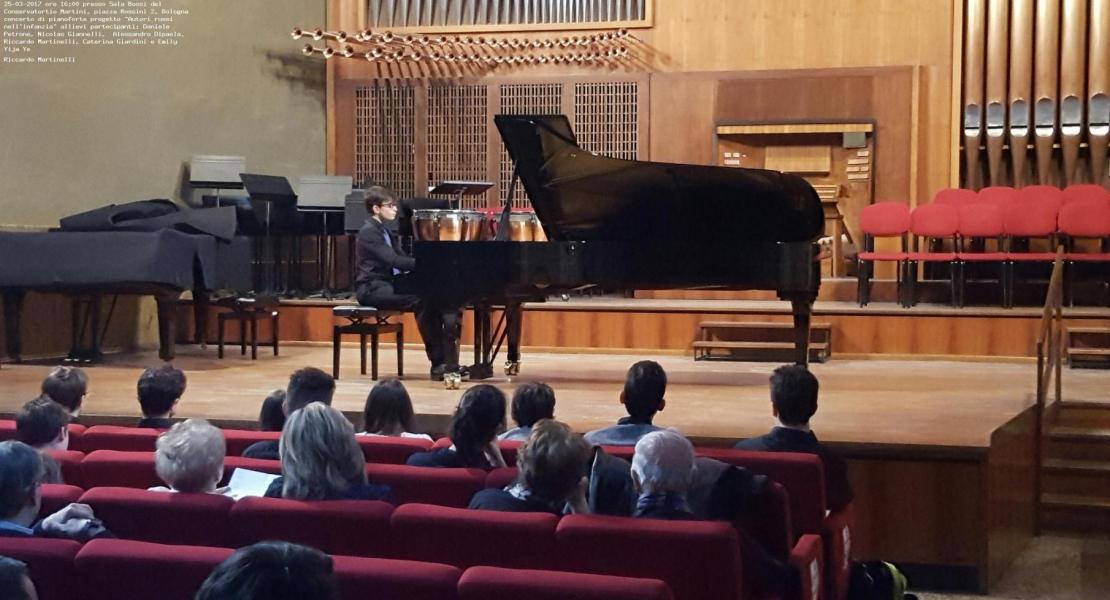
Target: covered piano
628	225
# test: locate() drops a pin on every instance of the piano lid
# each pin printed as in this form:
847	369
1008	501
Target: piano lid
583	196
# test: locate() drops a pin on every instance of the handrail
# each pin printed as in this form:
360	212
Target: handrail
1049	367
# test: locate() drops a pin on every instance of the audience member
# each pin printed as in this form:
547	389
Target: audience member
320	459
531	402
793	402
388	411
15	582
271	571
552	467
272	416
21	474
642	396
190	457
67	386
662	469
160	388
306	386
478	417
41	424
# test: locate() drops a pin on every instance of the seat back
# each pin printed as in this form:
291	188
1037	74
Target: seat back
114	437
163	517
254	464
1029	219
115	468
352	527
8	432
998	194
509	449
56	496
1078	192
935	220
1044	194
1088	218
493	583
445	487
50	563
70	462
956	197
238	440
389	450
114	569
499	478
885	219
385	579
696	559
980	221
464	538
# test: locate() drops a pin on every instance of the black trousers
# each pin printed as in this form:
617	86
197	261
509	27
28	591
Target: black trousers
439	329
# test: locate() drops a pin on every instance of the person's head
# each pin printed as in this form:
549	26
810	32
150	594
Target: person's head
793	394
381	203
21	473
478	418
532	402
663	463
67	386
159	390
272	416
388	409
553	460
644	388
15	582
319	454
306	386
190	456
271	571
41	424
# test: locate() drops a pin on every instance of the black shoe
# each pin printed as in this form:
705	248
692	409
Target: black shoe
437	372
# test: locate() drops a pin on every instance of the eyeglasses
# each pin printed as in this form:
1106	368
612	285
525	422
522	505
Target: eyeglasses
388	205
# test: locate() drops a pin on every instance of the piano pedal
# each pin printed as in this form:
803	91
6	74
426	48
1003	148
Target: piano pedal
512	368
451	381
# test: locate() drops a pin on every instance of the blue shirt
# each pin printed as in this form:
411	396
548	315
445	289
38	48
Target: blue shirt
389	242
621	434
12	529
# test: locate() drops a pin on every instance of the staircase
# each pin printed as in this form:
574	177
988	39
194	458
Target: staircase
1088	347
1075	478
758	342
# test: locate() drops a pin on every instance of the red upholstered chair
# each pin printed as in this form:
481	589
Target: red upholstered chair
353	527
1022	221
979	224
931	223
114	468
113	437
464	538
385	579
50	563
1088	219
445	487
239	439
493	583
1080	192
882	219
998	194
696	559
509	448
56	496
389	450
163	517
7	432
70	462
254	464
1043	194
624	452
115	569
955	197
499	478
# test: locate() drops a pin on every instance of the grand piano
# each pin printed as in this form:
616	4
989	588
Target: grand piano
624	224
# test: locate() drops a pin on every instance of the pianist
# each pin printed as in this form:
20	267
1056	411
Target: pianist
380	260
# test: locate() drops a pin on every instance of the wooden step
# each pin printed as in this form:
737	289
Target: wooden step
1075	513
1081	479
1083	414
1078	466
1089	352
743	325
1076	502
1076	448
1088	330
1082	434
729	345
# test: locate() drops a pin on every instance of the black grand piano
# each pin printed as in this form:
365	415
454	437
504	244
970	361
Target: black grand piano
624	224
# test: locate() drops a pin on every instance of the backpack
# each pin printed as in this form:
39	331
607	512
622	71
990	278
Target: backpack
877	580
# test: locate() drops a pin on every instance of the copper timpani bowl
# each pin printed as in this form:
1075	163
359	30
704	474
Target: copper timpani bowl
447	225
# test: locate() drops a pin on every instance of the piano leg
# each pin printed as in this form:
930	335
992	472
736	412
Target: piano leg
200	317
802	307
167	324
13	310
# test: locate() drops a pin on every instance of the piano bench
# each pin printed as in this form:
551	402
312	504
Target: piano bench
366	321
244	311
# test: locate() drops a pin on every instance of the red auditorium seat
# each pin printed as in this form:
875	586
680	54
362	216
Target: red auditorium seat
1049	195
509	449
1000	195
254	464
237	440
50	563
56	496
882	219
1026	220
697	559
465	538
979	222
493	583
1081	192
114	437
115	468
1084	220
446	487
931	222
115	569
955	197
352	527
70	462
388	450
385	579
163	517
499	478
7	432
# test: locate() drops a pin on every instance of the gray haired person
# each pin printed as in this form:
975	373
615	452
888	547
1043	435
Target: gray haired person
189	457
662	469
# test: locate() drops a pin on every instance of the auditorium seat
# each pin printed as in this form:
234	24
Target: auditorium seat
386	579
115	468
446	487
163	517
697	559
352	527
50	563
390	450
493	583
254	464
8	432
880	220
979	223
955	197
70	462
1082	192
931	223
464	538
509	448
114	569
499	478
115	437
56	496
238	440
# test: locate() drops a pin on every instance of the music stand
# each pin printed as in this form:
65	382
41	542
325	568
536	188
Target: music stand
269	190
216	172
458	189
325	194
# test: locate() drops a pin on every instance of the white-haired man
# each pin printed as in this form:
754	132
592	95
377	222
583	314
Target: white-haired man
662	469
189	457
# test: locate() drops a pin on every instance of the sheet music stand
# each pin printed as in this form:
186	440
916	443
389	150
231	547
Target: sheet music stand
458	189
325	194
216	172
269	190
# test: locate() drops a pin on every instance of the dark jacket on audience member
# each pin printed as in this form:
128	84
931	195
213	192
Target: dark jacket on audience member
265	450
501	500
155	423
783	439
358	491
442	458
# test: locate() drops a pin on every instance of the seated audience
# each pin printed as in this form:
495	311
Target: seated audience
306	386
41	424
478	417
662	469
21	474
531	402
552	474
67	386
271	571
388	411
190	457
642	396
272	416
793	402
160	388
15	582
320	459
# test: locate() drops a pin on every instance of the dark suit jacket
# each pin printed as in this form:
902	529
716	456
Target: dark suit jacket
838	491
155	423
376	259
